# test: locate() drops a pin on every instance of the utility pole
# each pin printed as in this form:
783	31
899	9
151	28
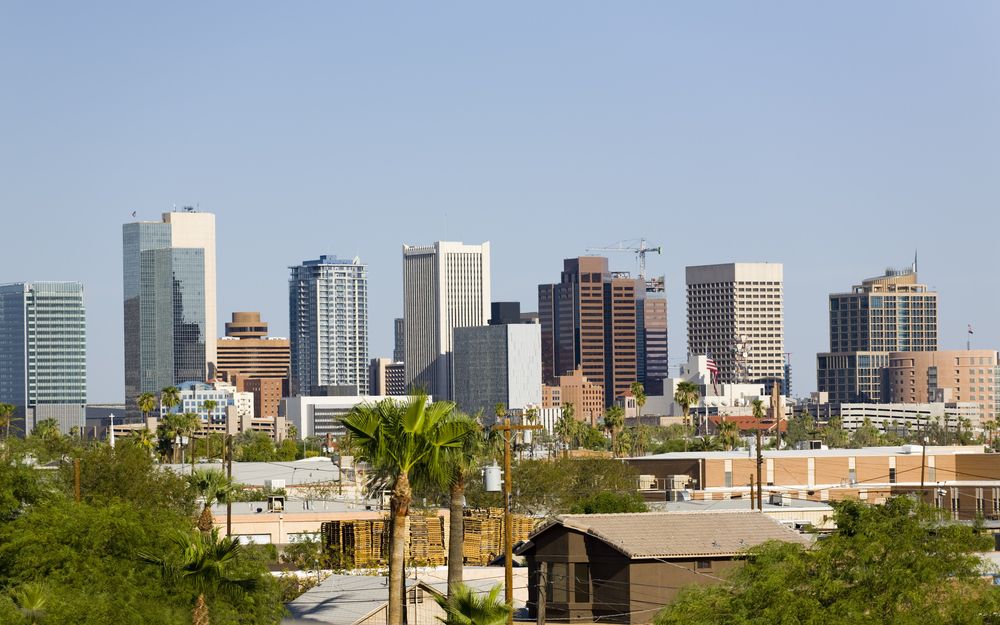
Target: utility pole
923	463
508	538
760	465
76	479
229	476
752	506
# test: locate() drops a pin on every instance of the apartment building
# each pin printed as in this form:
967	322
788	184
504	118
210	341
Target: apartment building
966	376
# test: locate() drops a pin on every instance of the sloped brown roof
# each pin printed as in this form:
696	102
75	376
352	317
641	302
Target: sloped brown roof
679	534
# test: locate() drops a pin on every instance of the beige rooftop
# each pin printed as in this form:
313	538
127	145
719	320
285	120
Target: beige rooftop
679	535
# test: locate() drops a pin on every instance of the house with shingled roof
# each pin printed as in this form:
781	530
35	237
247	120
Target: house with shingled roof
622	568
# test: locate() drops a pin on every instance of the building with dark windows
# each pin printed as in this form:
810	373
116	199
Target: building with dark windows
497	364
43	353
889	313
169	292
399	336
386	377
328	323
589	321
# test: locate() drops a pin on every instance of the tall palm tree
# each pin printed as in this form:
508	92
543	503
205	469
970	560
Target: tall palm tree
565	427
6	416
204	565
686	395
396	440
190	422
464	606
31	598
146	403
463	462
639	393
614	419
212	487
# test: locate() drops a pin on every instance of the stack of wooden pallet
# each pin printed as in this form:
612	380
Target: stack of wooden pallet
427	540
484	534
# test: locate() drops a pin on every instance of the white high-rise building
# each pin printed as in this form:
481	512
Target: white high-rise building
736	317
328	323
445	286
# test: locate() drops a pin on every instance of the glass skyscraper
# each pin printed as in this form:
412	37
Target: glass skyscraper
169	289
43	352
328	324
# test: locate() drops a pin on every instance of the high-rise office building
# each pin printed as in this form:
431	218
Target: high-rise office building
169	288
498	363
445	286
888	313
399	336
736	317
328	322
589	321
651	321
43	353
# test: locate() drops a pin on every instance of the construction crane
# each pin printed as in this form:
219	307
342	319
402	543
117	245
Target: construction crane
629	246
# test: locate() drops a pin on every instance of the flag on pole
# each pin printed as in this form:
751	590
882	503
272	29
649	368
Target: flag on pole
712	368
133	213
970	329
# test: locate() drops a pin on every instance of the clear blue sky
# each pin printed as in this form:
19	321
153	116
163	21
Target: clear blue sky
835	138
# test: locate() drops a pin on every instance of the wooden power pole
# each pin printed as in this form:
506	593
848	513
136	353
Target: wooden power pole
508	537
229	476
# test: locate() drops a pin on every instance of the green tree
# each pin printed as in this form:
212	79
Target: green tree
212	487
396	440
639	393
146	402
729	434
463	606
901	563
610	503
254	447
567	425
866	436
614	419
6	417
800	428
143	439
833	433
31	598
207	566
686	395
46	430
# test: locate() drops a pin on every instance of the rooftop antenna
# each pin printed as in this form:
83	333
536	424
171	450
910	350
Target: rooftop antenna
914	262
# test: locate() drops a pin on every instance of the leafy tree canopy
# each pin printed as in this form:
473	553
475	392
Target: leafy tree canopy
901	563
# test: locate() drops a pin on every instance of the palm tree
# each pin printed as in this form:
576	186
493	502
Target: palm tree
205	567
462	463
170	396
729	434
146	402
213	487
143	439
464	606
46	429
397	440
31	598
6	416
190	422
566	426
639	393
685	395
614	418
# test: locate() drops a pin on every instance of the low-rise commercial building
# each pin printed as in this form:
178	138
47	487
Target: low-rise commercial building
319	416
586	397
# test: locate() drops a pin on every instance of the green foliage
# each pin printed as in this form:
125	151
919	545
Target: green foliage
608	502
464	606
255	447
901	563
549	487
82	560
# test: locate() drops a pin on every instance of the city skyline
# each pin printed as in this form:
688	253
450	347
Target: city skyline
740	136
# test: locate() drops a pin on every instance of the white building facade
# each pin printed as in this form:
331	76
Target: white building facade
736	317
193	396
319	416
445	286
328	323
909	417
